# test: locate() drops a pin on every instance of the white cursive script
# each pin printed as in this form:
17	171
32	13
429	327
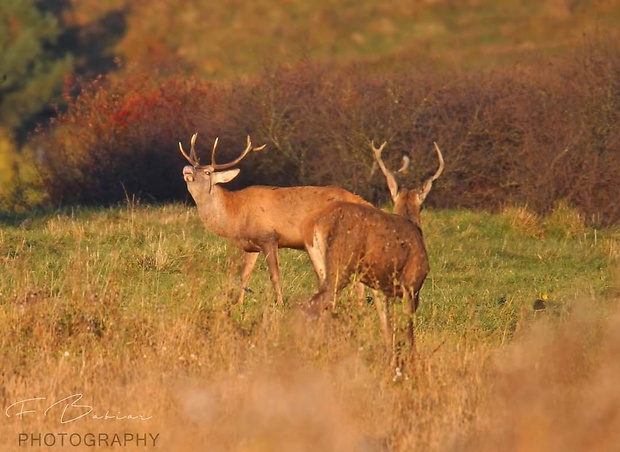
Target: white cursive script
68	409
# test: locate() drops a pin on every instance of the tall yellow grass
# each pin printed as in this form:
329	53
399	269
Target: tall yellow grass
296	388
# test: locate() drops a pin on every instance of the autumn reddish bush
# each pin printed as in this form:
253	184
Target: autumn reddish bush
117	137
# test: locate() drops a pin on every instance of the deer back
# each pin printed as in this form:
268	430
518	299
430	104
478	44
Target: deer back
280	212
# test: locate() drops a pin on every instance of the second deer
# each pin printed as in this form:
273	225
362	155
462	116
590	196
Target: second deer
387	251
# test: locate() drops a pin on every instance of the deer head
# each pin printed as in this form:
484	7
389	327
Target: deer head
214	173
407	203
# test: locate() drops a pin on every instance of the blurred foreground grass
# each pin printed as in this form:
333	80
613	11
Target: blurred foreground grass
130	307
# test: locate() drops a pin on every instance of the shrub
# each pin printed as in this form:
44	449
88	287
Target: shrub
119	137
532	136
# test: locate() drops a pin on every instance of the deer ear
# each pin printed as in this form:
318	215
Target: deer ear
224	176
423	193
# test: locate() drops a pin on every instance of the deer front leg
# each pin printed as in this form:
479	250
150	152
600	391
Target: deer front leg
249	260
271	254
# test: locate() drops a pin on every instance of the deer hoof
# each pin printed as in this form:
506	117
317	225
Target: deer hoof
314	308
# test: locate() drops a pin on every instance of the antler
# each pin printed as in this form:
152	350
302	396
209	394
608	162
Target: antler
389	176
247	150
213	151
429	183
192	158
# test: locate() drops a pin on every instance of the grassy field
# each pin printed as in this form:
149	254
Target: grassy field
130	307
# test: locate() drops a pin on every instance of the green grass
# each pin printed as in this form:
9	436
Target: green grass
485	270
485	273
132	307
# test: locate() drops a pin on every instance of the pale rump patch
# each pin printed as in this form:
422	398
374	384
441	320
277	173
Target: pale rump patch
317	255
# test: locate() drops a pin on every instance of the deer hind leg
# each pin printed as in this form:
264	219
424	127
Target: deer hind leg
410	304
383	311
389	325
271	254
249	260
411	300
404	348
360	289
316	253
325	298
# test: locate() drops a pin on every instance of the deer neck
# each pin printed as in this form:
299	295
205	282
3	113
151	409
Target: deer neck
408	210
214	211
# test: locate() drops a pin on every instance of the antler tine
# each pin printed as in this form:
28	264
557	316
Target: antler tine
389	176
193	149
429	182
191	158
441	163
247	150
377	151
260	148
187	157
213	151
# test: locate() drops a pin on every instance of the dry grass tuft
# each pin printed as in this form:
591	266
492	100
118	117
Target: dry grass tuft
523	221
565	220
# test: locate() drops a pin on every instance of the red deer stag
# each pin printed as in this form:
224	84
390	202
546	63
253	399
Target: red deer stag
257	218
387	251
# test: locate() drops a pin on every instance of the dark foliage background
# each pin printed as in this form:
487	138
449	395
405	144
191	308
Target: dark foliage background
521	96
533	135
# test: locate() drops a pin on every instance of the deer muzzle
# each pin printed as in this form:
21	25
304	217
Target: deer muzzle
188	174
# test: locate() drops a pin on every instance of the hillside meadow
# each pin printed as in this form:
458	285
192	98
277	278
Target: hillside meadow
118	333
242	38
